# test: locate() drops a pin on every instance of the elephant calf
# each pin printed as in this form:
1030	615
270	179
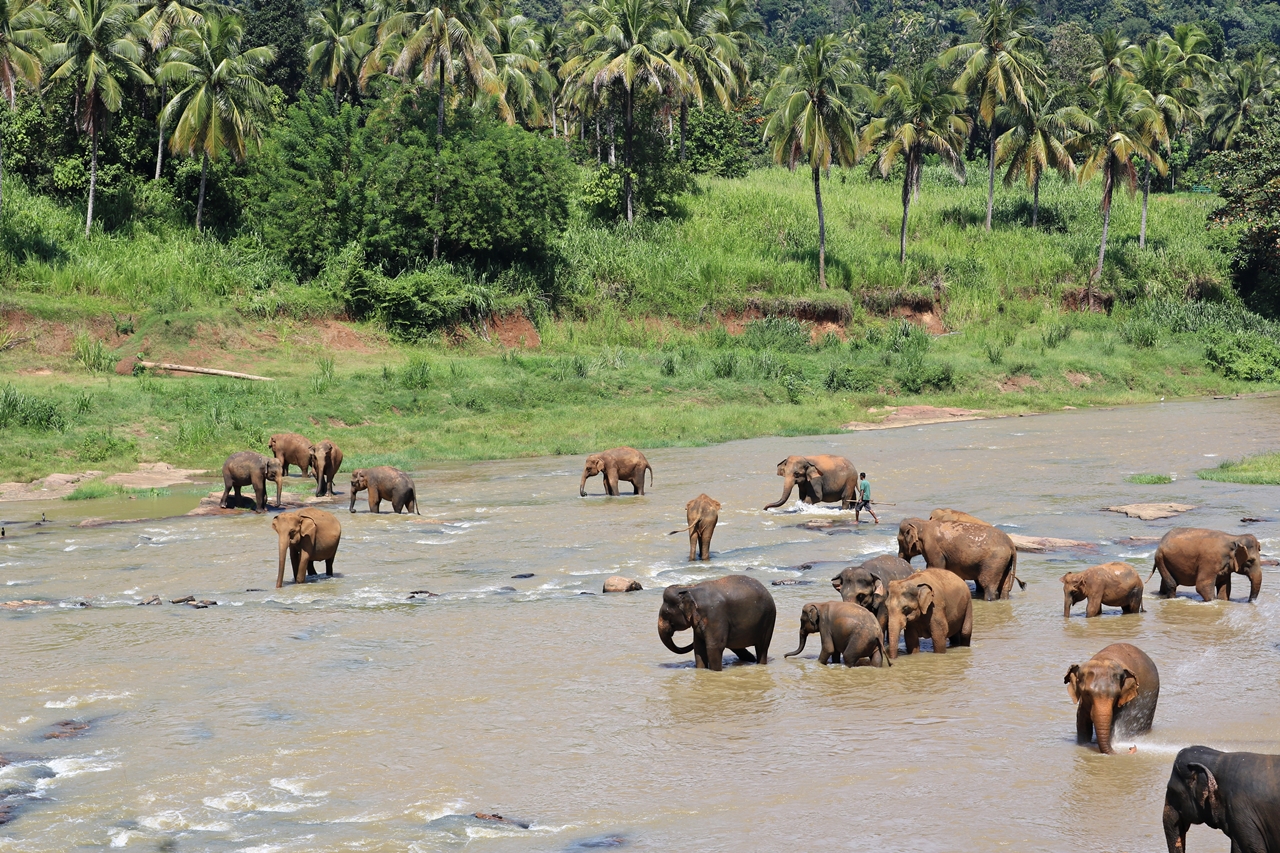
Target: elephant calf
868	584
326	459
384	483
309	536
956	515
1236	792
849	632
934	603
732	612
290	448
1117	690
1205	559
247	468
702	513
621	464
1112	584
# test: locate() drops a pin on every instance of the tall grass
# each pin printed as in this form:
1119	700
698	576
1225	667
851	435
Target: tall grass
1260	470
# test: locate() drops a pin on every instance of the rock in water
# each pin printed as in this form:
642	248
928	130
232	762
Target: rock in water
617	583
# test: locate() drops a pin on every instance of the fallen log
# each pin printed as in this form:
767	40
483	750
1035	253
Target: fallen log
186	368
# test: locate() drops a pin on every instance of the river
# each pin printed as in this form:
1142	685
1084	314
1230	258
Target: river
344	715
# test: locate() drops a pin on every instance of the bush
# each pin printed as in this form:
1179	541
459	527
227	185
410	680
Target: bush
784	334
862	379
1150	479
1054	333
1141	332
915	373
92	354
416	373
1243	355
26	410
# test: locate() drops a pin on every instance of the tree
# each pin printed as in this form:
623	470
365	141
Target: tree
918	115
704	57
629	44
517	56
814	118
1035	141
341	42
1238	90
282	24
216	110
1160	68
1121	125
1113	57
21	37
160	20
99	50
1000	65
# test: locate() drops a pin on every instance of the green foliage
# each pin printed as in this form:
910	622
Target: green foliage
864	379
27	410
1260	470
1149	479
416	373
1054	333
725	143
98	447
784	334
92	354
1243	355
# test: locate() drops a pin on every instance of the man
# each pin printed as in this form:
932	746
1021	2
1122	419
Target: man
864	500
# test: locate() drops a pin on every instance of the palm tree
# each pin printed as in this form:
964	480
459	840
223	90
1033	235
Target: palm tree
1113	56
1000	65
552	40
703	56
918	115
216	110
629	45
99	50
1239	89
21	37
814	118
735	28
160	20
1035	141
1159	69
517	56
1120	126
340	45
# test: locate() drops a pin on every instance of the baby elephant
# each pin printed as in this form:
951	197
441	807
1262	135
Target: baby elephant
325	459
1112	584
309	535
703	513
849	632
384	483
934	603
868	584
1117	690
247	468
621	464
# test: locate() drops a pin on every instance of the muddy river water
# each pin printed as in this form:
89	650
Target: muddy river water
344	715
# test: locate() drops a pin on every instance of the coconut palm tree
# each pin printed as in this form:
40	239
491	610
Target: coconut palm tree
815	118
1001	65
629	45
99	49
735	28
517	56
341	41
22	35
1159	69
1114	56
1238	90
216	110
1037	140
705	57
919	114
1121	125
161	20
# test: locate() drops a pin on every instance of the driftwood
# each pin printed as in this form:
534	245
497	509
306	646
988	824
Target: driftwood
161	365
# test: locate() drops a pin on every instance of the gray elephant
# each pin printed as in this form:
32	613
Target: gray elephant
821	479
868	584
1117	690
732	612
1235	792
848	631
248	468
384	483
1205	559
934	603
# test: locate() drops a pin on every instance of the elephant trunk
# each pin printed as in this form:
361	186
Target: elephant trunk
787	486
1255	581
1102	716
804	638
666	632
1175	831
279	487
895	631
352	508
284	545
1066	604
582	486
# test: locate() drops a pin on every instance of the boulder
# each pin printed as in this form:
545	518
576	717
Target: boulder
1151	512
617	583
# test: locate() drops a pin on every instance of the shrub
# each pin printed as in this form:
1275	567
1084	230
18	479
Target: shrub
92	354
862	379
915	373
416	373
1244	355
1054	333
1141	332
26	410
784	334
1150	479
995	352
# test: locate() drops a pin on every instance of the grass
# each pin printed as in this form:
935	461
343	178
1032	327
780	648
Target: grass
1149	479
97	489
1261	470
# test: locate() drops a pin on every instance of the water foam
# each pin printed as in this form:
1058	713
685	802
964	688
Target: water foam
80	702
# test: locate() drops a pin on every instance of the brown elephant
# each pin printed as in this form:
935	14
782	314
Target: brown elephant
1205	559
291	449
384	483
621	464
703	513
822	479
326	459
1112	584
732	612
976	552
933	603
1117	690
868	584
848	631
248	468
955	515
309	535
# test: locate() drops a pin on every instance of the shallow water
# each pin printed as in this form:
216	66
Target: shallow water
342	715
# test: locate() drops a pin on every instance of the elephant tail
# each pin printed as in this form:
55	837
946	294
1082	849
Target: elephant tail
1013	570
649	468
683	529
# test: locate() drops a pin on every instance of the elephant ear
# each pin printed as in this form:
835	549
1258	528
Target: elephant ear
811	471
924	594
814	614
877	585
1073	682
307	528
1206	794
688	606
1128	688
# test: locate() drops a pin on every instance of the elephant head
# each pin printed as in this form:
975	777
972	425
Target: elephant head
595	464
1248	562
796	469
909	541
679	612
293	529
810	623
321	460
1107	686
1072	591
274	474
359	482
908	601
1193	796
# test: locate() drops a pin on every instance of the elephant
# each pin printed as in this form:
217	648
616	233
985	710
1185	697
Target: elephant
703	513
955	515
868	584
1205	559
1112	584
309	535
732	612
933	603
822	479
849	633
624	464
248	468
1117	690
384	483
1235	792
291	449
976	552
326	459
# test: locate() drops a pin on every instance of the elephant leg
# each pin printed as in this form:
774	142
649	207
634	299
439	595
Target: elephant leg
745	655
1094	608
225	492
637	486
715	657
704	538
1084	724
1207	589
965	637
328	567
938	633
693	542
1224	587
295	558
699	651
303	569
912	639
1168	586
375	500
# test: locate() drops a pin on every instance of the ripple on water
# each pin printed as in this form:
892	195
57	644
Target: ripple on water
80	702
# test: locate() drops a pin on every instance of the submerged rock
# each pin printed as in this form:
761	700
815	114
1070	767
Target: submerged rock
66	729
497	818
1151	512
617	583
522	575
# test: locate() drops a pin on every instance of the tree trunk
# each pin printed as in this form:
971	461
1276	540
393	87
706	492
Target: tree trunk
684	123
599	147
204	173
822	230
160	143
93	178
435	240
907	190
991	176
613	140
1146	191
1035	202
1	176
554	120
627	182
1107	183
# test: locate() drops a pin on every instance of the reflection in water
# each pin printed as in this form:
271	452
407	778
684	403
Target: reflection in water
345	715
